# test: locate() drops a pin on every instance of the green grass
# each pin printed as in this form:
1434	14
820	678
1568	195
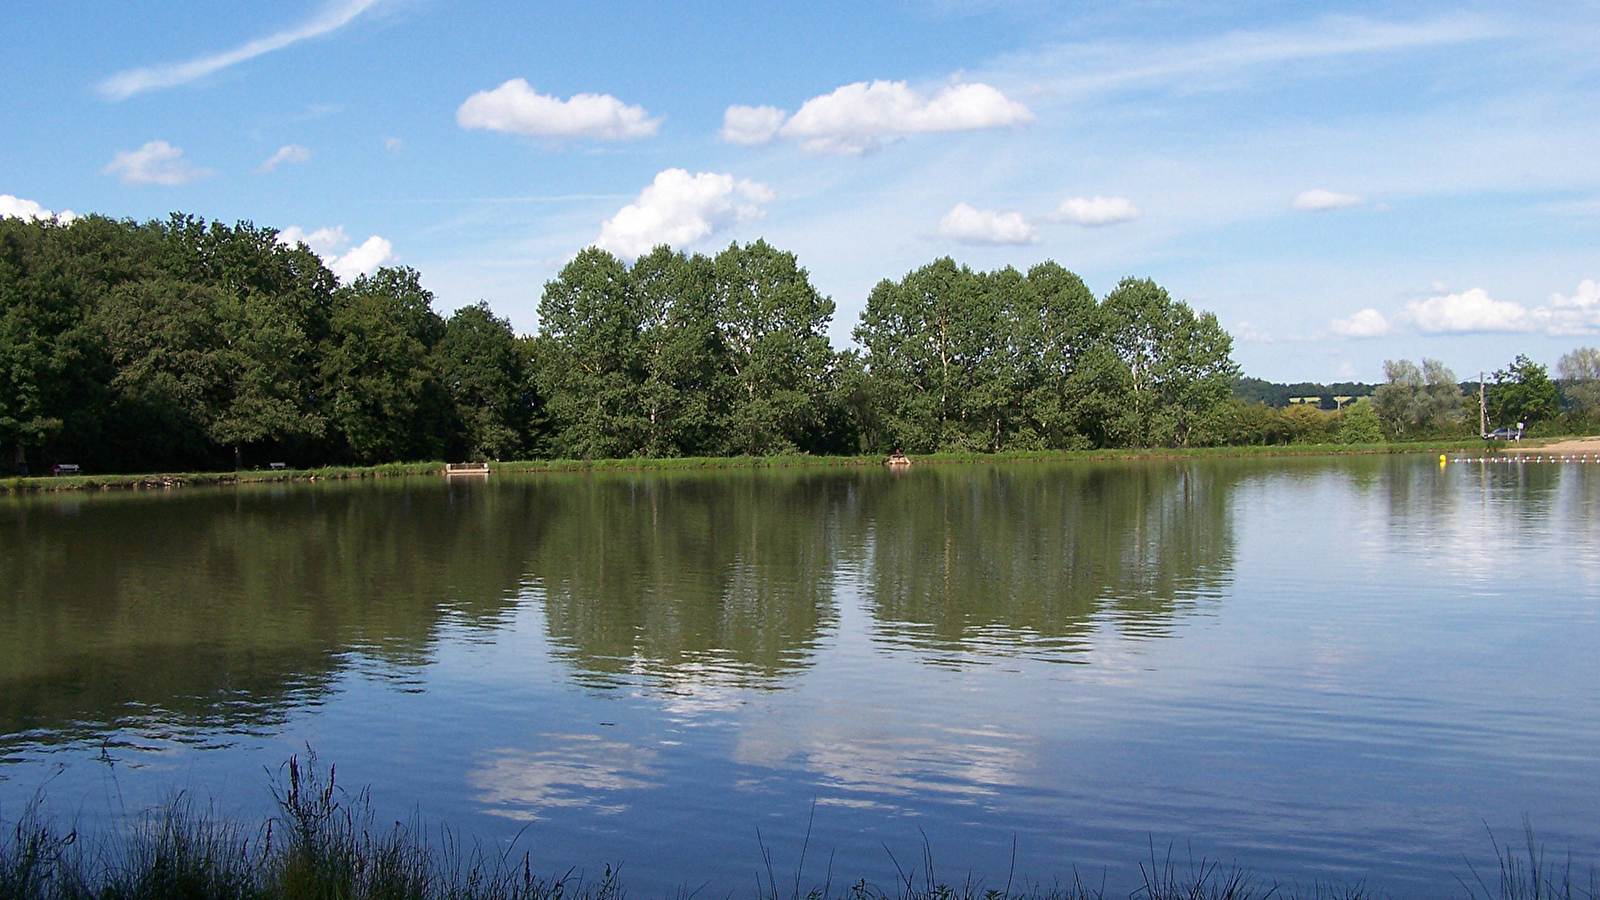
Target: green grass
324	842
34	484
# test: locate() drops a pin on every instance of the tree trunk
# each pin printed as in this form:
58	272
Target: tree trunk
238	457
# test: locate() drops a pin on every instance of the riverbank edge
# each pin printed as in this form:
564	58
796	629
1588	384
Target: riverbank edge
169	480
328	842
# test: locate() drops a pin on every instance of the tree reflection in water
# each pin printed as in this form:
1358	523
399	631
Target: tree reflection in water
219	610
705	579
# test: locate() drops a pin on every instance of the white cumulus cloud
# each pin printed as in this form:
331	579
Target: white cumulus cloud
678	209
330	244
985	226
364	259
858	118
18	208
1096	211
1468	311
323	241
157	162
1577	314
333	16
1475	311
751	125
1319	199
517	108
288	153
1587	296
1368	323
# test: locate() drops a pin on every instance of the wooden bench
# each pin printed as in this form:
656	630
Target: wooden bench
64	469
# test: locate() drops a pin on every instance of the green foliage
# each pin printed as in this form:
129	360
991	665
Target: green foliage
1419	402
1257	390
1177	369
382	388
772	327
1244	424
48	349
182	344
960	360
1522	392
589	359
1580	384
925	340
484	370
1359	424
682	355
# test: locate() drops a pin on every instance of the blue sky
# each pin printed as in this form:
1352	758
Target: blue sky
1341	183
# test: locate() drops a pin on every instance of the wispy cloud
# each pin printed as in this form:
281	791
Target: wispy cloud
1318	199
126	84
288	153
1368	323
157	162
1078	69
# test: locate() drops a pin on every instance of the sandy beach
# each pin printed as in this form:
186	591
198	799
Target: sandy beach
1571	445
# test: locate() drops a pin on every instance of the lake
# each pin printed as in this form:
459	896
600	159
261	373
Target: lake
1332	670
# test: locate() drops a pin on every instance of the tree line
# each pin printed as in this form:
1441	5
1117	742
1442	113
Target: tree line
1423	401
183	344
180	344
1426	400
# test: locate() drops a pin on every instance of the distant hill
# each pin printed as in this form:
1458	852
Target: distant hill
1256	390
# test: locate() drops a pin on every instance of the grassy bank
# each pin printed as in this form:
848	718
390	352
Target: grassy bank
170	480
325	843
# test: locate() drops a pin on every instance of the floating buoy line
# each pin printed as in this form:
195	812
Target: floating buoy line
1530	457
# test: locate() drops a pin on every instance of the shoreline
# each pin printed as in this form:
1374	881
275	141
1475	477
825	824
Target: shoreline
35	484
1563	446
333	844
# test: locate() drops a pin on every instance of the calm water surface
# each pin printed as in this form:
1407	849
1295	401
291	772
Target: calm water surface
1325	670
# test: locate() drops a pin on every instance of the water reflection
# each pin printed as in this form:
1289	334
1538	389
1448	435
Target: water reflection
1025	559
875	761
1398	644
219	610
1472	515
695	578
571	770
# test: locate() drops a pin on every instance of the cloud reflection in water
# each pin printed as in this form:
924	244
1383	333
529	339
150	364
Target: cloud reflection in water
872	762
573	770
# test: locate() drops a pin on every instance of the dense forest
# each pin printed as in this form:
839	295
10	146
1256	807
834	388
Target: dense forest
183	344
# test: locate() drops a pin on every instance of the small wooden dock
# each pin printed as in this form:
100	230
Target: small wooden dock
453	470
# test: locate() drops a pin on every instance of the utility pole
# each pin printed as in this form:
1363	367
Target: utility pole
1483	407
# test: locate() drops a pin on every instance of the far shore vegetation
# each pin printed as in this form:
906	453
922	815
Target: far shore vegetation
326	842
188	346
1474	447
